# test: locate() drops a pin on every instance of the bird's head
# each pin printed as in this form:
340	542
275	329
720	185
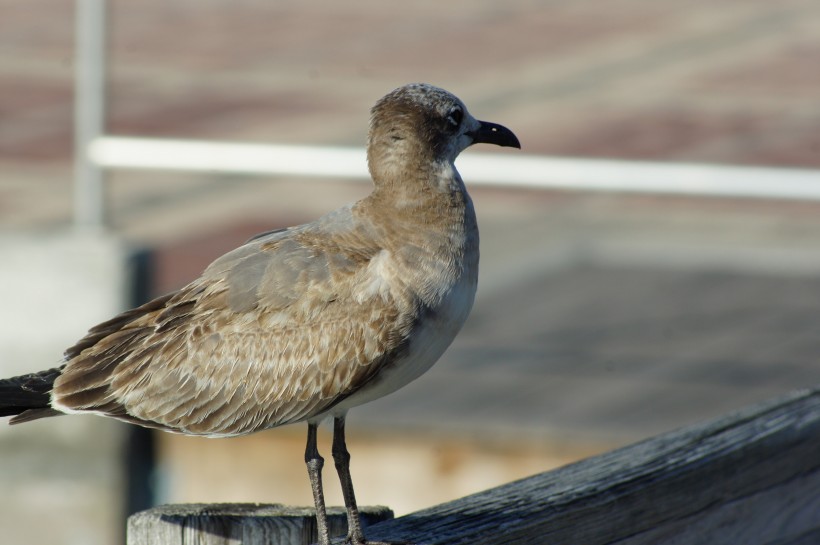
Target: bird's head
419	124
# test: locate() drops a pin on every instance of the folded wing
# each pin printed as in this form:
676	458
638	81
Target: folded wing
276	331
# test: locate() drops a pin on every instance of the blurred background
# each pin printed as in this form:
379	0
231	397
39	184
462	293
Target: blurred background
603	317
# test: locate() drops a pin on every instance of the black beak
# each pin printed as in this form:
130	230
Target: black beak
492	133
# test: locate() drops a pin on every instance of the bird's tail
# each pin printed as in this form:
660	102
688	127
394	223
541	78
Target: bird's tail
27	397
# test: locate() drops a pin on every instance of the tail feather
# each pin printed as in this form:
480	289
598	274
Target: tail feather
28	397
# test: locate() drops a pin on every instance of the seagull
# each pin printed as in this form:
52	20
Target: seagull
304	323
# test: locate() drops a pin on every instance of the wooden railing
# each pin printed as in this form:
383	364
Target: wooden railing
749	478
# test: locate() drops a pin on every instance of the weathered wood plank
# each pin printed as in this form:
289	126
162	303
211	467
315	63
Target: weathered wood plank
752	477
238	524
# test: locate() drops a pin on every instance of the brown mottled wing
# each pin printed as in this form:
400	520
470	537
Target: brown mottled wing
274	332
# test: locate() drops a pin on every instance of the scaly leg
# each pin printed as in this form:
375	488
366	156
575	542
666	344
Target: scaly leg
314	463
341	457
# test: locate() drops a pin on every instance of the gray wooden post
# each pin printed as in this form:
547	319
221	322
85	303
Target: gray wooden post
238	524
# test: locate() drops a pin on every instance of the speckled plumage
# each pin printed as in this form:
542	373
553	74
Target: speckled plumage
277	331
301	323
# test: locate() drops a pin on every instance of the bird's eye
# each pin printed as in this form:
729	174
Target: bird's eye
455	116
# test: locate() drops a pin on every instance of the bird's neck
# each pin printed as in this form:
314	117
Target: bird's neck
407	189
431	206
427	222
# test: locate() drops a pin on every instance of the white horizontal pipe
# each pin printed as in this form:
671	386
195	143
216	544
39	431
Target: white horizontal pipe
150	153
502	170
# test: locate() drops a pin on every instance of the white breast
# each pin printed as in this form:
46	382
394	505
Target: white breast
429	340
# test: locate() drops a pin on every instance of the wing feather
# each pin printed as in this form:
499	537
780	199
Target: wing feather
274	332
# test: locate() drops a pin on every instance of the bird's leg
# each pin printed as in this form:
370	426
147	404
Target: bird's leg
314	463
341	457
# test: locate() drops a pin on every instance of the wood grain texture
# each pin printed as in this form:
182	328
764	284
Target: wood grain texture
752	477
238	524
